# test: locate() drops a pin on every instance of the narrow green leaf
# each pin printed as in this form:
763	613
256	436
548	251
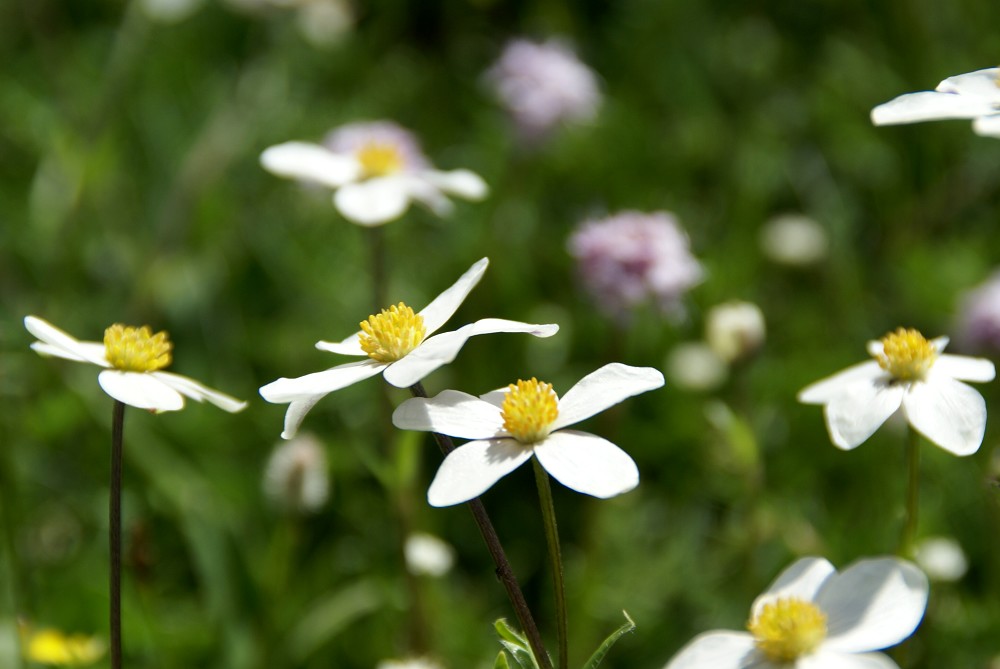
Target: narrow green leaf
508	634
523	657
501	662
598	656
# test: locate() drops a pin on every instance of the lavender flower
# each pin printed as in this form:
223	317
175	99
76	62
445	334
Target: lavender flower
979	316
544	84
631	258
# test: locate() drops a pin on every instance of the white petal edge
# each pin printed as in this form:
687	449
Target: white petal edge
142	391
502	325
347	346
198	392
450	412
320	383
717	650
803	579
978	84
444	305
310	162
825	658
463	183
97	352
824	390
873	604
987	126
471	469
373	202
587	463
59	340
296	413
948	412
964	368
434	352
929	106
860	410
603	388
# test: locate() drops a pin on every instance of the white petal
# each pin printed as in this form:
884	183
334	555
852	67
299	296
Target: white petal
450	412
296	413
987	126
199	392
826	389
320	383
63	345
310	162
435	352
444	305
718	650
347	346
496	397
429	195
463	183
803	579
964	368
979	84
142	391
604	388
372	202
948	412
855	414
873	604
499	325
587	463
472	468
929	106
825	658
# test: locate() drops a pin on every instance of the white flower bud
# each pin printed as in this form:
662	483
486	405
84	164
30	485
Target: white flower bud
941	558
734	330
695	366
427	555
793	239
296	477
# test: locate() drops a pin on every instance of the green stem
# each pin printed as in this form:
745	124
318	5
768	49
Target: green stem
504	571
912	493
555	556
115	533
376	246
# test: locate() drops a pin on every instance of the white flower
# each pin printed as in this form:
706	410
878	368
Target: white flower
396	343
132	358
296	476
410	663
427	555
376	168
811	617
794	240
734	329
510	425
913	373
941	558
974	95
695	366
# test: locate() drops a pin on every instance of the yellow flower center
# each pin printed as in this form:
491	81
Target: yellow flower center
906	355
529	410
392	333
379	159
132	349
787	629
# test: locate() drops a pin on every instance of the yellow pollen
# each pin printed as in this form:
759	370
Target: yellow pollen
529	410
392	333
379	159
132	349
906	355
787	629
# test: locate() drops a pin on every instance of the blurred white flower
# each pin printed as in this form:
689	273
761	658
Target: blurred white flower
169	11
632	257
324	22
979	316
941	558
811	617
974	95
427	555
909	372
510	425
396	343
544	84
296	476
376	169
132	359
411	663
735	330
794	240
695	366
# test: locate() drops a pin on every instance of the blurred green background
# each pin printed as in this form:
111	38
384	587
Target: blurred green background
130	191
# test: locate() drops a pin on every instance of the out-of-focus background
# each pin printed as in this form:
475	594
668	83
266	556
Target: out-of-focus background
130	191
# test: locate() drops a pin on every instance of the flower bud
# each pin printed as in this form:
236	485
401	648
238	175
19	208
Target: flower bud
734	330
296	477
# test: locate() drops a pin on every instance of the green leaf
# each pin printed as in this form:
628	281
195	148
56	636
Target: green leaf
508	634
598	656
501	662
516	644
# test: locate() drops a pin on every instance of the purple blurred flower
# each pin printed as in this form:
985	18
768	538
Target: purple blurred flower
632	257
544	84
979	316
352	138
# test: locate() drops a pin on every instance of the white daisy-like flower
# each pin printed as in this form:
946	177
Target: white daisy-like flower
811	617
974	95
396	343
510	425
909	372
133	359
376	169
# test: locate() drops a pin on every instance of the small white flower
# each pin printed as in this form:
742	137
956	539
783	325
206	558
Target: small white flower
296	476
695	366
811	617
909	372
941	558
974	95
735	329
396	343
132	358
410	663
794	240
427	555
510	425
376	169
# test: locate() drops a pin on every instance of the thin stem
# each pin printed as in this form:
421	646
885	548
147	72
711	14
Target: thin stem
555	557
912	493
115	533
503	569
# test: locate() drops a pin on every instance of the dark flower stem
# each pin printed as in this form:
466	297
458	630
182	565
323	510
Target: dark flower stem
504	571
555	557
912	494
115	533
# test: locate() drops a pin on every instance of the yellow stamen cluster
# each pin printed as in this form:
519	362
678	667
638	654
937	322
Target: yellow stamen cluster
787	629
379	159
529	410
392	333
132	349
906	355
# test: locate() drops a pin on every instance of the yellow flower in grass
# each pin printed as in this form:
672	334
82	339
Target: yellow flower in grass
54	647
